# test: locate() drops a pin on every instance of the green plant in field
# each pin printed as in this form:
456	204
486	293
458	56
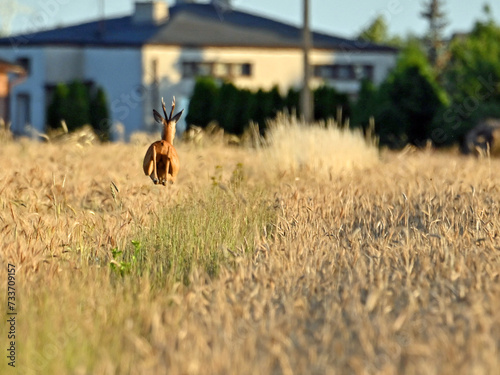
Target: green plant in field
217	177
200	235
238	176
121	266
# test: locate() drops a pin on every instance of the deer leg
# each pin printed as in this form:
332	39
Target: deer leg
155	173
167	166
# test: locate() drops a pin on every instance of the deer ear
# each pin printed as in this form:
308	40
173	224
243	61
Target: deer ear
177	117
157	116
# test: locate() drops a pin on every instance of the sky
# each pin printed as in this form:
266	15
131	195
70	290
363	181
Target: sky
341	18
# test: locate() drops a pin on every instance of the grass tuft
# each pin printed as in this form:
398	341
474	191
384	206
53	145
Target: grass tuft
319	150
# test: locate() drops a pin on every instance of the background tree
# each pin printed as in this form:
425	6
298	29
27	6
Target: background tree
366	105
406	103
471	79
378	32
433	12
416	100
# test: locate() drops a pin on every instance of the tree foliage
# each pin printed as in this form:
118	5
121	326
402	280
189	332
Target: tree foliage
233	108
378	32
471	79
405	105
434	40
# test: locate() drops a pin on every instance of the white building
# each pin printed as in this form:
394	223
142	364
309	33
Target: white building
160	49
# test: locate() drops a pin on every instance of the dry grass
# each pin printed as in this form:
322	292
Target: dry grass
321	150
391	267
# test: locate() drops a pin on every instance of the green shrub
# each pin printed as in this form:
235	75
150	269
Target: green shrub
75	105
202	103
234	108
327	101
57	107
99	115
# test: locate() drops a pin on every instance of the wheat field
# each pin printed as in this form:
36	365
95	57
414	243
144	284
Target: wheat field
312	254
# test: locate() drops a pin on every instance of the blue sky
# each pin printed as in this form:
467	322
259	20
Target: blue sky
343	18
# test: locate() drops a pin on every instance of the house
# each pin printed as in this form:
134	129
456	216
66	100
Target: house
160	49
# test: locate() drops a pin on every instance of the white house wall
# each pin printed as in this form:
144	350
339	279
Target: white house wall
63	64
119	72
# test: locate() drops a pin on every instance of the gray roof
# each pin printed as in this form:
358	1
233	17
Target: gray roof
190	25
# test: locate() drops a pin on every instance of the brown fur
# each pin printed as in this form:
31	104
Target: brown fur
161	159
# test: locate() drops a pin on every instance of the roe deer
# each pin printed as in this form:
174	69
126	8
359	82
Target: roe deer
161	159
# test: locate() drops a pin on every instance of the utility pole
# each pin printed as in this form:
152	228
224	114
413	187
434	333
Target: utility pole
306	99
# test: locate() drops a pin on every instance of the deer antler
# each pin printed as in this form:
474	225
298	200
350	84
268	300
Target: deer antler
172	111
164	109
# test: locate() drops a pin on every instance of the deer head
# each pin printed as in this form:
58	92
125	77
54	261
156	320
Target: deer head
169	122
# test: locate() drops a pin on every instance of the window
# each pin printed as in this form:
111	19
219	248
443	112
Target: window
204	69
343	72
188	69
25	62
324	71
216	69
222	70
367	72
245	69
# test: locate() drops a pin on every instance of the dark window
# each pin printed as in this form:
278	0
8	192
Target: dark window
343	72
25	62
188	69
324	71
368	72
215	69
246	70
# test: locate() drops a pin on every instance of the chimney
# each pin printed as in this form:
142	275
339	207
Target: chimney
150	12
